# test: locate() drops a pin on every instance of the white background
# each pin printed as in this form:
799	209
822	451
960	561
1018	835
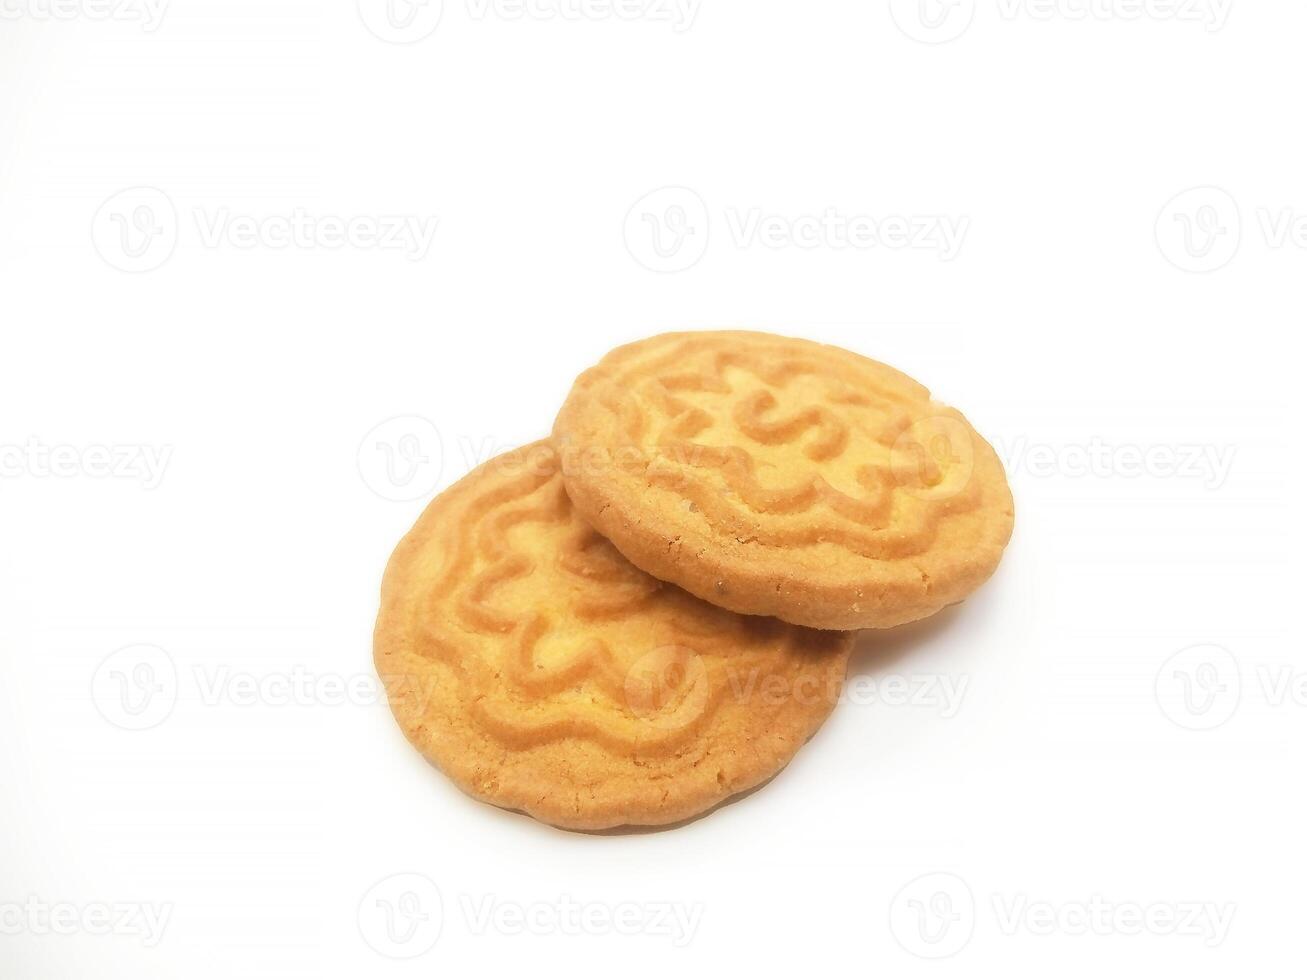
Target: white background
1086	335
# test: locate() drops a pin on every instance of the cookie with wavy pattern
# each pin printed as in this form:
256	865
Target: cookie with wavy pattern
781	477
542	672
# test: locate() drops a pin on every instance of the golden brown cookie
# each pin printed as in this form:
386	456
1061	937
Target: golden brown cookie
544	673
786	478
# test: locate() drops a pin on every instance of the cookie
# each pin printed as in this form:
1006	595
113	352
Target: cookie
781	477
542	672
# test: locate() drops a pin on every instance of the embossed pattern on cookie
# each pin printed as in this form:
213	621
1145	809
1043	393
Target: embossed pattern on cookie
781	477
543	672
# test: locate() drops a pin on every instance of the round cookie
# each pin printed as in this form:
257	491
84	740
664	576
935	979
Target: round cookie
542	672
786	478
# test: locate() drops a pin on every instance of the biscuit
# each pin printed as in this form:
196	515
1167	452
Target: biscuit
782	477
542	672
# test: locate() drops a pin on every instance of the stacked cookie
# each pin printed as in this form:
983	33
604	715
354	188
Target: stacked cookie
651	612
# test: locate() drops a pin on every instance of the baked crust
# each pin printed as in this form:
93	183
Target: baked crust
780	477
542	672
